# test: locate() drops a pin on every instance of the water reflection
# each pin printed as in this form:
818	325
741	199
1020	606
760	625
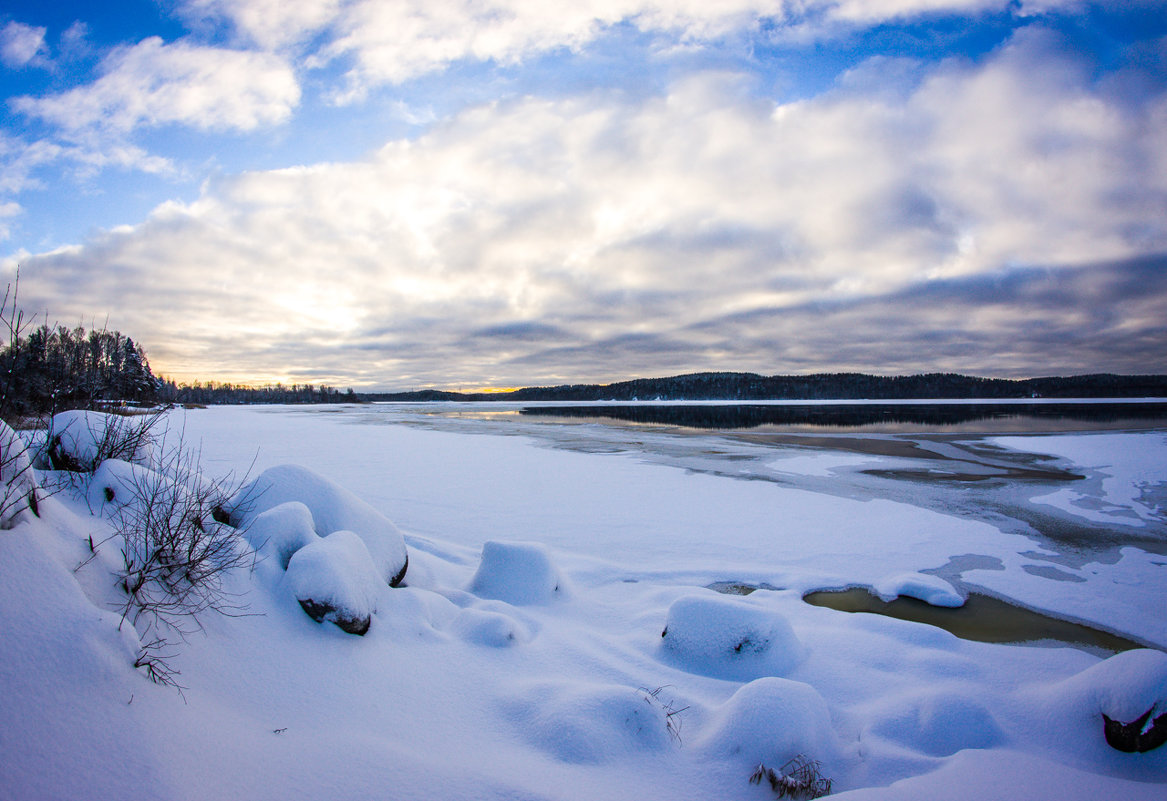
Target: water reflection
890	417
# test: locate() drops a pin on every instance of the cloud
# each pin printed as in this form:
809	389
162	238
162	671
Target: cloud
7	211
21	44
271	24
1015	322
20	161
154	83
390	43
595	237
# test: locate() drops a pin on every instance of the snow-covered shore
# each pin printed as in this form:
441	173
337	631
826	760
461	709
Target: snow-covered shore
472	682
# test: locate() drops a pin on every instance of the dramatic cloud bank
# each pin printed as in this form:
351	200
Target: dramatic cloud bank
1004	213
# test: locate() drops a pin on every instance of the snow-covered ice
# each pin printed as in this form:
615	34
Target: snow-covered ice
1129	483
523	657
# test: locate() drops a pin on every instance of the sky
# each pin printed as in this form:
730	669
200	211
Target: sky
488	193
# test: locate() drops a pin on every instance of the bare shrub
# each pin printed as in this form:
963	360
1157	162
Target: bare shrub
671	713
125	437
176	548
154	657
175	552
19	489
799	778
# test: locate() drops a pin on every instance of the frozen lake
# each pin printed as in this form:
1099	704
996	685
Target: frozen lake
1056	506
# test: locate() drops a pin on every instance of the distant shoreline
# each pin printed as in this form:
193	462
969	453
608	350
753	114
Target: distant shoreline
828	387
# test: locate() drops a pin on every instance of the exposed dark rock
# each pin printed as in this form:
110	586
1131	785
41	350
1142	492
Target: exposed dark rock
1136	737
61	459
324	611
400	577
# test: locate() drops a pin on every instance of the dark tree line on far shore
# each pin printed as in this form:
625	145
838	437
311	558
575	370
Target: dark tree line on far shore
823	386
211	393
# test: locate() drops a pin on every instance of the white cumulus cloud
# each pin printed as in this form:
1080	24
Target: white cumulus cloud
20	44
155	83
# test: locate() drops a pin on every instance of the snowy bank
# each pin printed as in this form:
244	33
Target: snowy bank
525	658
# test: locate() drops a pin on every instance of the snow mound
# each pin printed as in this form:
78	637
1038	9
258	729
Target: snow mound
922	586
493	629
117	483
770	721
725	637
519	573
1122	687
592	724
940	723
1070	717
81	440
16	477
333	508
1129	692
333	579
281	531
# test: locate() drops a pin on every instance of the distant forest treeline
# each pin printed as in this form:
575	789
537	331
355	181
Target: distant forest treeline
823	386
212	393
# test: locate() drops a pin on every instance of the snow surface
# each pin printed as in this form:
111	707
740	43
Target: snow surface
722	636
476	682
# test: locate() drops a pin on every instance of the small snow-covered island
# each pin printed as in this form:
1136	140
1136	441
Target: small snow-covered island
465	601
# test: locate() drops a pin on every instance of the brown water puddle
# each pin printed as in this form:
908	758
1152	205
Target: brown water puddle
982	618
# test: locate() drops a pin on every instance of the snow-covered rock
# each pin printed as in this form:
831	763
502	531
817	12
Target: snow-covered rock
333	508
726	637
519	573
1123	698
81	440
116	483
281	531
333	579
922	586
18	486
770	721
